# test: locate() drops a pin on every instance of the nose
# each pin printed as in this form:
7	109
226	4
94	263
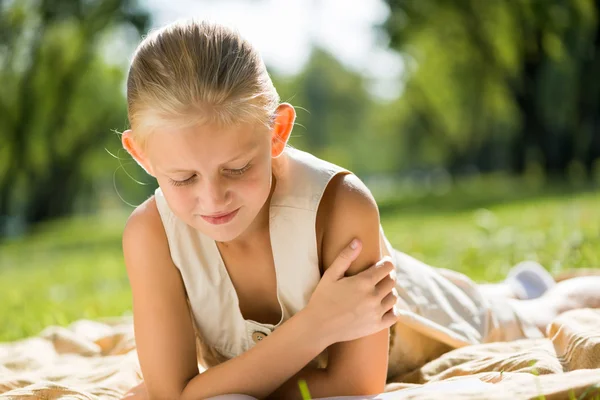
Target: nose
214	196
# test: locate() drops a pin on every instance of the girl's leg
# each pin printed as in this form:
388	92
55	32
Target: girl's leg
575	272
501	289
570	294
526	280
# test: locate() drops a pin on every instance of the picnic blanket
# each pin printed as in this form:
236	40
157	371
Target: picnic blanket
97	360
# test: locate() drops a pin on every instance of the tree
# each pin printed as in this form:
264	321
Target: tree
61	97
502	83
335	114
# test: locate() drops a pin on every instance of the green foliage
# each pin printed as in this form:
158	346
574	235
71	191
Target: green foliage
499	84
333	113
61	97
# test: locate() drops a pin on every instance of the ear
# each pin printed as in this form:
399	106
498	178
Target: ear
134	149
282	128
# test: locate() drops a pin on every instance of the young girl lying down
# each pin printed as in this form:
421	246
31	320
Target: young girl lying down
255	265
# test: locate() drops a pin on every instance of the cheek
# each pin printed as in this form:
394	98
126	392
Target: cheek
179	200
255	188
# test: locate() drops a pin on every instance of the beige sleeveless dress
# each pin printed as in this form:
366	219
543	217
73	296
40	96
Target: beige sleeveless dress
440	309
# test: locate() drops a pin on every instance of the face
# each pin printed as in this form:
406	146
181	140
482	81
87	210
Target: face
217	180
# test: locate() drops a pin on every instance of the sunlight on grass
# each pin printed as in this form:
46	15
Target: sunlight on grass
485	243
64	271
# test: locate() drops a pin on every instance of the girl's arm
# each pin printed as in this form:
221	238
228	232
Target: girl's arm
165	336
357	367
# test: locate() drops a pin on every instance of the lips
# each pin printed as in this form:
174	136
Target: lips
219	219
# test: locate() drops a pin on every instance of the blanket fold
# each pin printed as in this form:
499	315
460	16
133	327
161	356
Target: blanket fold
98	360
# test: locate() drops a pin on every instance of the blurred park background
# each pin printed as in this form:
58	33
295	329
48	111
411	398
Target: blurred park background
476	124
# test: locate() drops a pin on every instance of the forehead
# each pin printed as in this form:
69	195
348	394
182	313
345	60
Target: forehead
169	147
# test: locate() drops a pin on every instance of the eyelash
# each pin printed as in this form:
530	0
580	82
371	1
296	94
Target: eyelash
239	171
234	172
184	182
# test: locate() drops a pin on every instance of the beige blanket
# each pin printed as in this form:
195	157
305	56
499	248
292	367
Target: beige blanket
97	360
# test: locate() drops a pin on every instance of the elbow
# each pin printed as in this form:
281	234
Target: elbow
172	393
165	389
148	392
185	393
166	395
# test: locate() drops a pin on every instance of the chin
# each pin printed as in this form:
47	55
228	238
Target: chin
221	236
218	233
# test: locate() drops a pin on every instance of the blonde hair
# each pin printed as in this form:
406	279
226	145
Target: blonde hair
197	72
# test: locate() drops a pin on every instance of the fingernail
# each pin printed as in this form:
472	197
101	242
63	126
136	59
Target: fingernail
354	244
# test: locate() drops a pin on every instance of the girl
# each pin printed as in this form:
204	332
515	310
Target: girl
242	277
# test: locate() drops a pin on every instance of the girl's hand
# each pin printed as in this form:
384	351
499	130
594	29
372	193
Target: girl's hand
348	308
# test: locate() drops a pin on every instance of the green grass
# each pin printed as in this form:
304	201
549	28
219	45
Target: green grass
73	268
64	271
560	232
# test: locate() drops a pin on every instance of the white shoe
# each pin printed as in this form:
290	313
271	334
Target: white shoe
529	280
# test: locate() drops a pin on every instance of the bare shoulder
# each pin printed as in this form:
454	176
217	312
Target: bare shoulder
346	201
145	219
145	245
350	193
347	210
144	229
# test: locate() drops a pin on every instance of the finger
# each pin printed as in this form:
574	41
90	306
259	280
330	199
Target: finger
379	270
343	261
389	300
384	287
390	318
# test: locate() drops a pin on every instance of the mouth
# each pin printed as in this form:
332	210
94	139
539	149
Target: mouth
219	219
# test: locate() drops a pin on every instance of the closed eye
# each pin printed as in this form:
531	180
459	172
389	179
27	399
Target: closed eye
239	171
183	182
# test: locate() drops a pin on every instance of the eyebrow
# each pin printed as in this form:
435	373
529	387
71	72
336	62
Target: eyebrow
178	170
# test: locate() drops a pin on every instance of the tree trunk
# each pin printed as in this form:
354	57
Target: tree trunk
524	95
